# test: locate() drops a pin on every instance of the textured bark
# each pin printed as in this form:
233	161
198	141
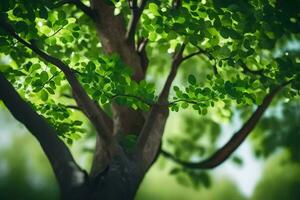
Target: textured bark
150	137
115	174
120	180
84	102
112	32
149	141
237	139
71	179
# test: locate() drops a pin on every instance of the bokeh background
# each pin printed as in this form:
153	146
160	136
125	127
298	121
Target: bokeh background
265	167
26	174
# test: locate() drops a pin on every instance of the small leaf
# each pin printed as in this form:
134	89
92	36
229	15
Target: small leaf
184	105
77	123
237	160
44	95
192	79
43	13
176	88
175	171
3	42
153	8
44	76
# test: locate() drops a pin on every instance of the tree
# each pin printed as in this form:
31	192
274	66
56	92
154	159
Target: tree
54	55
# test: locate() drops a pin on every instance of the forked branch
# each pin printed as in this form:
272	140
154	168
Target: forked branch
136	11
150	137
84	102
223	153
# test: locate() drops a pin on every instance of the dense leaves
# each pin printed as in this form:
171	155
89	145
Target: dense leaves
249	47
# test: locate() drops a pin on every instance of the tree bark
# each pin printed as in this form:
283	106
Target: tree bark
71	179
112	34
115	174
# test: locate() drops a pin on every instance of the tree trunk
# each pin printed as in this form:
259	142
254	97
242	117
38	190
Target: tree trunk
119	181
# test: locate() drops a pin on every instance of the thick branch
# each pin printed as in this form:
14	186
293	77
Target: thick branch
177	60
86	104
100	159
67	172
163	97
112	32
149	140
150	137
223	153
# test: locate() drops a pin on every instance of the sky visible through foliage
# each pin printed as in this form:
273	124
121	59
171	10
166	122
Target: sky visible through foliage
221	69
242	177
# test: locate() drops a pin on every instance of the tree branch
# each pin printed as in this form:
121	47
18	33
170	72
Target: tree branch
73	107
149	140
223	153
141	50
86	9
136	12
101	160
67	172
177	60
250	71
150	137
87	105
193	54
112	32
163	97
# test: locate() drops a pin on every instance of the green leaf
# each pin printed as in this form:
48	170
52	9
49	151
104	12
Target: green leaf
21	26
184	105
176	88
4	6
77	123
153	8
175	171
44	95
44	76
3	42
192	79
152	36
43	13
237	160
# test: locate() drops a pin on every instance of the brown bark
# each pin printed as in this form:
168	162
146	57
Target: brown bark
119	181
71	179
115	174
112	34
237	139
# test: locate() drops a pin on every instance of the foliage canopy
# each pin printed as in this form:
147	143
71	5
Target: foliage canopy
234	55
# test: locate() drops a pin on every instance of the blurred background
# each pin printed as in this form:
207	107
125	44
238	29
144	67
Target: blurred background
265	167
26	174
